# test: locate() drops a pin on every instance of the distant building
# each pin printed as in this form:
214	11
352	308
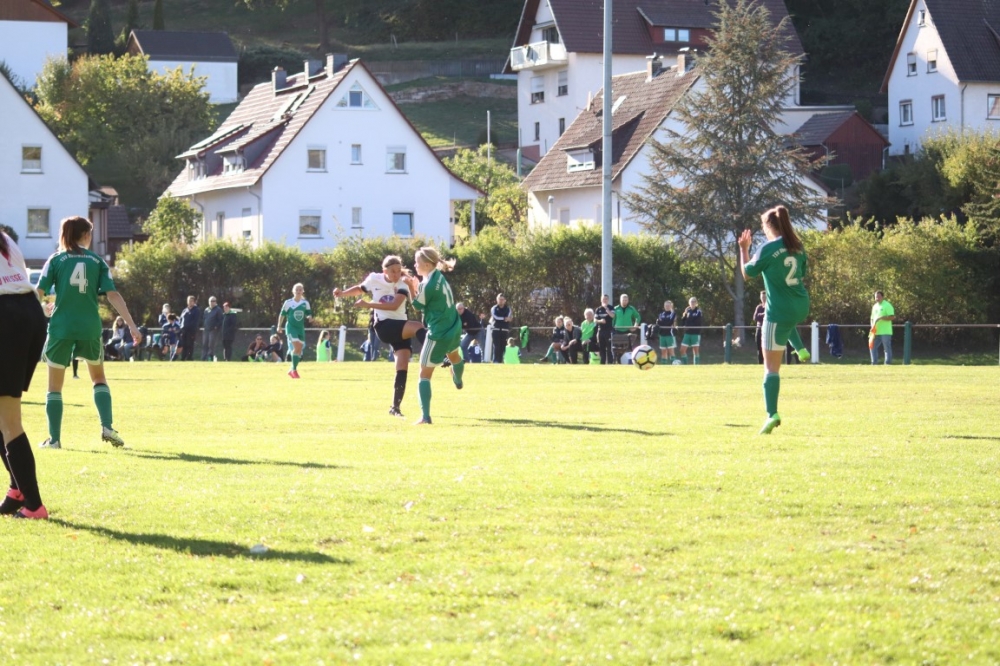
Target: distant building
945	71
210	54
31	31
846	138
314	156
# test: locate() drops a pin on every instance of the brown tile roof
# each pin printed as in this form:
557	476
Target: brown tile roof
581	22
646	105
185	46
820	126
970	33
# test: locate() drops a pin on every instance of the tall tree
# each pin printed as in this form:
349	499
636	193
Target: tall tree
158	22
100	35
713	179
123	122
131	17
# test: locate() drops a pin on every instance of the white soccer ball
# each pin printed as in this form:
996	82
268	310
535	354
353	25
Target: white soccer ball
644	357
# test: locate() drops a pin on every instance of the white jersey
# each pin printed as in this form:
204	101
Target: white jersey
13	271
383	291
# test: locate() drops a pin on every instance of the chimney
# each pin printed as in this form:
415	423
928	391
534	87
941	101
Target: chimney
654	64
278	79
685	61
312	67
335	62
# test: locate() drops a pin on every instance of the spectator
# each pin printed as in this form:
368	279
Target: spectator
273	351
170	336
470	327
256	347
588	337
230	324
372	344
883	315
512	353
190	321
605	317
627	320
500	317
571	347
210	334
122	343
556	342
163	314
758	317
666	325
691	321
475	352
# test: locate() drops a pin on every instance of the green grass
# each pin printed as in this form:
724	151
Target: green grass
463	119
571	514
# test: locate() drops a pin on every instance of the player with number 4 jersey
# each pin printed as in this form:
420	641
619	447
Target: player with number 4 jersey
782	263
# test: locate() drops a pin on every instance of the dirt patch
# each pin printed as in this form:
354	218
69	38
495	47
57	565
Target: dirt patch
445	91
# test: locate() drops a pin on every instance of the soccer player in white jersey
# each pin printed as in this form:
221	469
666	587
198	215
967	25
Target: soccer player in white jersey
388	295
295	313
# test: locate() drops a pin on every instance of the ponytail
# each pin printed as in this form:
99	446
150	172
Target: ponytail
778	218
432	256
4	245
72	229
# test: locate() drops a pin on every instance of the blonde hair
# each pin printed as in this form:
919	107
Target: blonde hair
395	260
430	255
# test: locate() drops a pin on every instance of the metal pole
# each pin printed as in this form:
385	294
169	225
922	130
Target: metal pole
606	239
907	342
815	341
341	343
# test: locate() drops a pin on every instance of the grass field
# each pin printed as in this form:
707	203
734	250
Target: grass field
568	514
462	120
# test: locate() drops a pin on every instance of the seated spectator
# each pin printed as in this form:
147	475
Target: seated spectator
557	340
512	354
169	336
272	352
121	344
256	347
571	347
588	337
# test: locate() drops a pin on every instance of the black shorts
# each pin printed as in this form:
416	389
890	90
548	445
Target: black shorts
22	338
390	332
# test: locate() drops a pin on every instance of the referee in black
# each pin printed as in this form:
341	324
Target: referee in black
22	337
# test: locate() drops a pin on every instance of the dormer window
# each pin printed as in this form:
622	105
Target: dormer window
580	160
196	169
676	35
232	163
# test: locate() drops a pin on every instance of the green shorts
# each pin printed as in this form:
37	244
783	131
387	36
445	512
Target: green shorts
295	334
691	340
60	353
774	335
435	351
667	342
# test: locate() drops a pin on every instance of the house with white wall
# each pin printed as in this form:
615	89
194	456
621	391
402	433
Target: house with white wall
208	54
565	188
945	72
31	32
40	181
314	156
557	54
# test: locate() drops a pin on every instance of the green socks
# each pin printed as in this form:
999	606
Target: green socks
102	398
697	359
772	386
457	369
424	388
295	361
53	411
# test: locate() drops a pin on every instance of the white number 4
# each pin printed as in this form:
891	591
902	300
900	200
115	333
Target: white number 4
79	277
793	266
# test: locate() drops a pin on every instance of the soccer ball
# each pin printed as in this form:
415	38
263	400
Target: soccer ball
644	357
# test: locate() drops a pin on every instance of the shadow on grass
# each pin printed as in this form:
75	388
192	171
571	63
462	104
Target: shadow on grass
212	460
200	547
984	437
735	425
533	423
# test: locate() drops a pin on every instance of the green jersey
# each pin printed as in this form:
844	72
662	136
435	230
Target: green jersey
437	303
883	309
625	318
787	299
587	330
79	278
295	314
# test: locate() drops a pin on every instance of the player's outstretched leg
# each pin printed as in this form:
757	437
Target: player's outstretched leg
424	389
457	369
800	347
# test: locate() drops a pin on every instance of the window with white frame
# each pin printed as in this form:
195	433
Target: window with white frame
932	60
911	64
247	235
309	223
937	108
993	107
31	159
906	112
562	88
356	218
922	17
232	163
220	225
402	224
676	35
38	222
564	216
562	126
316	159
355	153
537	89
395	161
356	98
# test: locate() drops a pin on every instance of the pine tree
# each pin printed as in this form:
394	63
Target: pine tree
158	23
100	36
712	181
132	17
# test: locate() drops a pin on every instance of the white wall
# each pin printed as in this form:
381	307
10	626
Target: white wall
61	186
26	45
221	84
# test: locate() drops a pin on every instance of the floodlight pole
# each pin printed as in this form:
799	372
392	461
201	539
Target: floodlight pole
606	275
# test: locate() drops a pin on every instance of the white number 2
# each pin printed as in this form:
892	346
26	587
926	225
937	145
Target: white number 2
793	266
79	277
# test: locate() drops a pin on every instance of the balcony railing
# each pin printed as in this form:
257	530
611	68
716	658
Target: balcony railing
537	55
